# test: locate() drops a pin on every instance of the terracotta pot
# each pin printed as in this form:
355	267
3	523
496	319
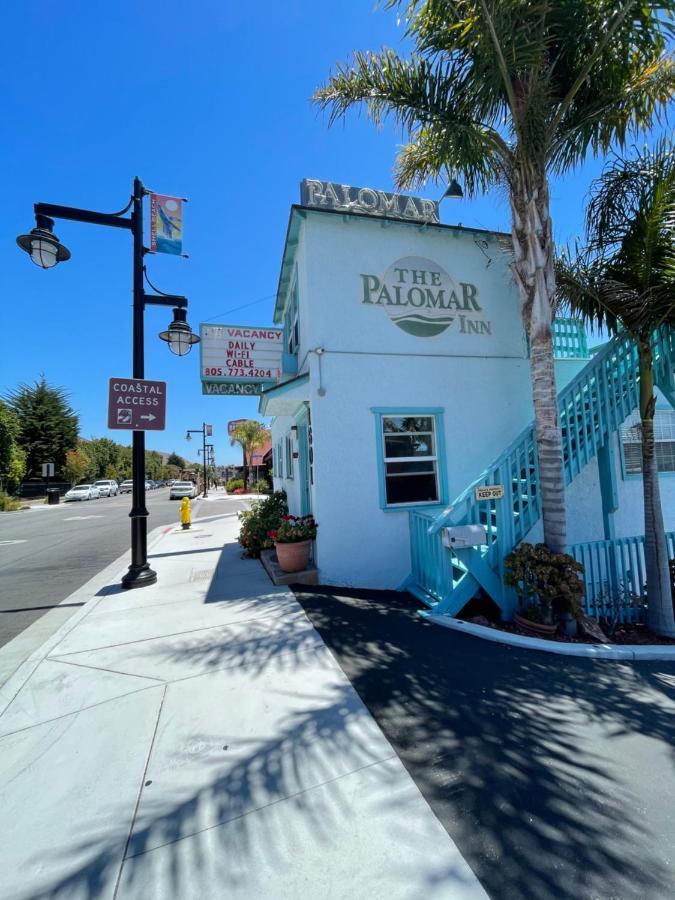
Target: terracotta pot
536	628
293	557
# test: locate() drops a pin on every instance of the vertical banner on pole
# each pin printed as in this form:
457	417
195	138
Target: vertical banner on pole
166	224
209	430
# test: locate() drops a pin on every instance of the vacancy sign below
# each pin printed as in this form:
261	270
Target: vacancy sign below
239	359
136	404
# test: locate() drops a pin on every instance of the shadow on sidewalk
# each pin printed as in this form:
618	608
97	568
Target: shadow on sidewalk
327	740
512	749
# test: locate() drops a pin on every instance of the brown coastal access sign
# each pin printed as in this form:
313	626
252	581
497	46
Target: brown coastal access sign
136	404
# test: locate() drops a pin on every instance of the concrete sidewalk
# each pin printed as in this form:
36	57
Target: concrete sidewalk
196	739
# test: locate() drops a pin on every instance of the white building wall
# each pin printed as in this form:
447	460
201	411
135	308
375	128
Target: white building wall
481	381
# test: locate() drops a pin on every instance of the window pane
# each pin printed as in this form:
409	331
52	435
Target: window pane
408	445
411	488
665	456
410	468
398	424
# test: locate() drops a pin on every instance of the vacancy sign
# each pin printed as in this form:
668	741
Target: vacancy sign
244	358
136	404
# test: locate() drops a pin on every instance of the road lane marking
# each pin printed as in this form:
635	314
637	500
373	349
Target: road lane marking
81	518
12	542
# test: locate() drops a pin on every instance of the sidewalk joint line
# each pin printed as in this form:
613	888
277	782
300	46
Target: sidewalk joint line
307	790
140	794
159	637
67	662
76	712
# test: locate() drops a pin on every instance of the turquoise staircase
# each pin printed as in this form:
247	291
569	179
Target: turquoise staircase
591	408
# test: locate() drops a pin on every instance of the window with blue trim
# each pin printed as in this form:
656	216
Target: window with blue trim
409	450
289	458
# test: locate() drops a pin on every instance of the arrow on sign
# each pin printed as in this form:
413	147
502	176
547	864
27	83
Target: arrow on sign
149	417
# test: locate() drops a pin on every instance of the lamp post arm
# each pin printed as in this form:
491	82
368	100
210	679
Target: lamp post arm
115	220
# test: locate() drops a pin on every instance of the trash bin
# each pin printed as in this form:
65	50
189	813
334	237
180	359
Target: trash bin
53	496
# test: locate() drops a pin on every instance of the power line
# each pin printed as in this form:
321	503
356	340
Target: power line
243	306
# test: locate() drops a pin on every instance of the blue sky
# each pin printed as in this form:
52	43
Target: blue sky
208	100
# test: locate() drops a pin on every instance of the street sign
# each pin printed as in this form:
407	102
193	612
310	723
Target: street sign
47	470
136	404
234	423
491	492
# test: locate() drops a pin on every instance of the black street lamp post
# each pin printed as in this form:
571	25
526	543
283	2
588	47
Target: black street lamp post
204	431
209	457
46	251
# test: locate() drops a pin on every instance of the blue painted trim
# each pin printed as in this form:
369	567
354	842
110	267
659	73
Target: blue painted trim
608	484
441	458
408	410
283	386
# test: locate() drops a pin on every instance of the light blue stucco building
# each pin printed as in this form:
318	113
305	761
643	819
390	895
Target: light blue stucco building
406	385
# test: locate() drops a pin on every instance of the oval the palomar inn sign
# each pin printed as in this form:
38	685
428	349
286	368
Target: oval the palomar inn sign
421	298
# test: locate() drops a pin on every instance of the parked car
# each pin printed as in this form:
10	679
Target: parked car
107	487
126	487
180	489
83	492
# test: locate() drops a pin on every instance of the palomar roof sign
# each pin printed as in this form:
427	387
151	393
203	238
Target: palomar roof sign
367	201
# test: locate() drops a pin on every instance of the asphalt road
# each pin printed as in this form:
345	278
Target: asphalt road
554	775
47	553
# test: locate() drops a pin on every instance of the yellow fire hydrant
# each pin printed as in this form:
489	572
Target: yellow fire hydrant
185	513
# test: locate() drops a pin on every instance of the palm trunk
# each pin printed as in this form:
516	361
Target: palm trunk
245	469
659	598
532	235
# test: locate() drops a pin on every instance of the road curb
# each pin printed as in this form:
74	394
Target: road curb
87	594
630	652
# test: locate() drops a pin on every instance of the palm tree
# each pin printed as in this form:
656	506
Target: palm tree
625	279
251	435
509	92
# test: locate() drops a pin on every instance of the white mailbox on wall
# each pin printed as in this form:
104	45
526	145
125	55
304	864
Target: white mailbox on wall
461	537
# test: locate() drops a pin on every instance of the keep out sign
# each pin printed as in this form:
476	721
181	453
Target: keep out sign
136	404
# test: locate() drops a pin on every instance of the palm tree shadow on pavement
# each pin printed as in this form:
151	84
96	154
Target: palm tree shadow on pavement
520	755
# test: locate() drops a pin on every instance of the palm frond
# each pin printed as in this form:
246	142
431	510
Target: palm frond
475	154
627	270
606	118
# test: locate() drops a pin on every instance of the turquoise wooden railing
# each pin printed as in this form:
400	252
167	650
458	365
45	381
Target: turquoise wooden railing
591	407
569	339
615	577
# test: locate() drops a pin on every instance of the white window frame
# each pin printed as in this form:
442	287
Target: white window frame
664	433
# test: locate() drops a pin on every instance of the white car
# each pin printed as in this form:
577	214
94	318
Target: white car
83	492
180	489
106	488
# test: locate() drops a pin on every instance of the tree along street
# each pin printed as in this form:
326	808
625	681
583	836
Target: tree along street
48	553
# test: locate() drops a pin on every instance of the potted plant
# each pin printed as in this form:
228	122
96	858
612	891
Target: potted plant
292	540
549	588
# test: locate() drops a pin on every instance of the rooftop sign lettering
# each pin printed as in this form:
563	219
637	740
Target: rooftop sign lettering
367	201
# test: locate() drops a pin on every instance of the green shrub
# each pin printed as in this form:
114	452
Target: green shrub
233	484
262	486
7	503
256	523
546	580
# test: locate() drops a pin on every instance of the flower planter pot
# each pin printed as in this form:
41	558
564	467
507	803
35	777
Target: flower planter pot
293	557
536	628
